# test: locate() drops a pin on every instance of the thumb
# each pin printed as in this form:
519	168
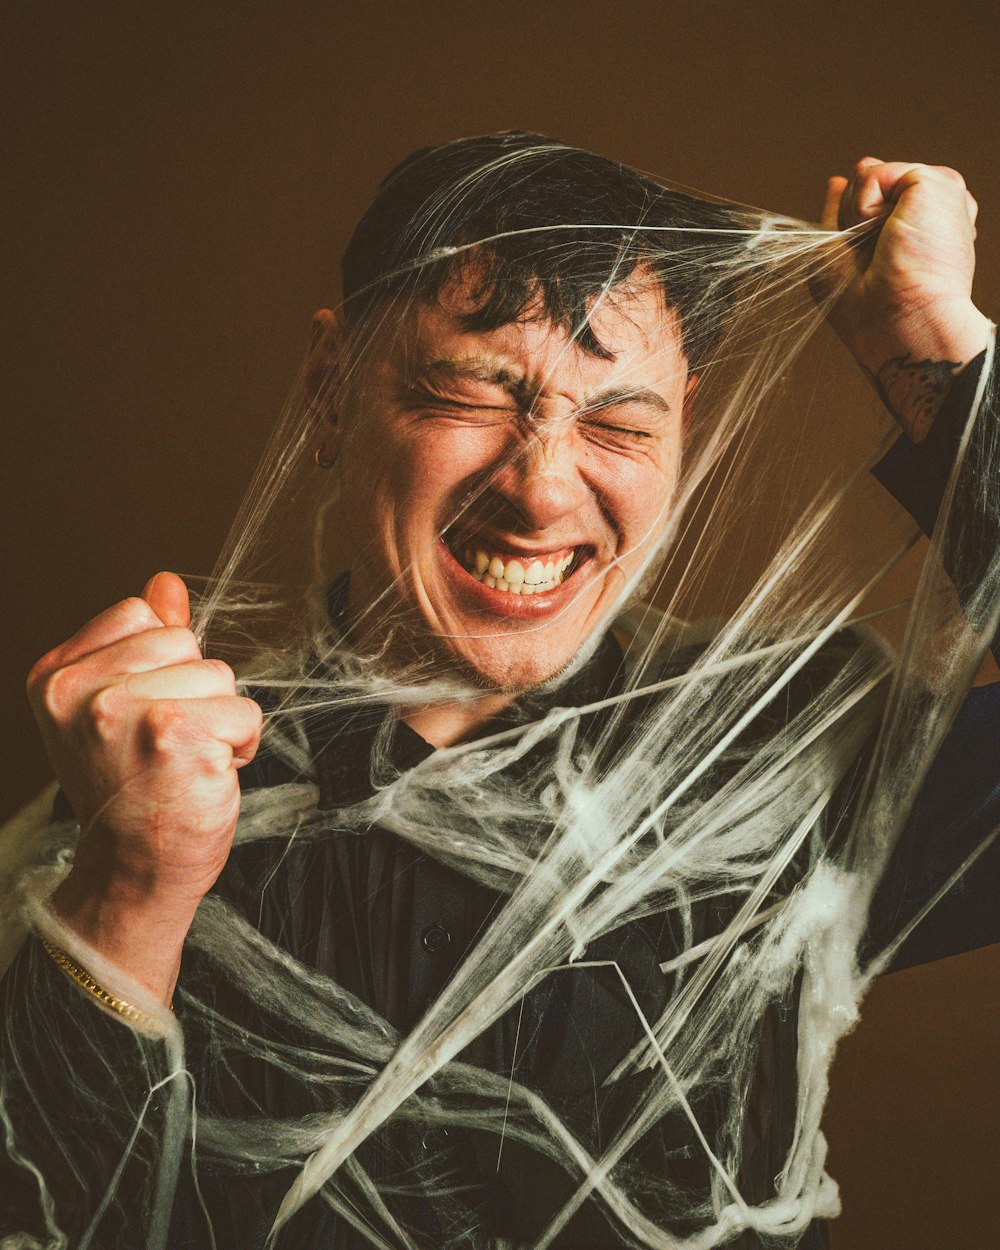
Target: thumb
167	595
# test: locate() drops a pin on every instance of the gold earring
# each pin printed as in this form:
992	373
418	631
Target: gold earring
320	458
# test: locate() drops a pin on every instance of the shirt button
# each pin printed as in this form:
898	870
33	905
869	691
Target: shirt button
434	1139
435	938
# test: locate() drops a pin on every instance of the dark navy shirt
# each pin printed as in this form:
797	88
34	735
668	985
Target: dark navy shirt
391	925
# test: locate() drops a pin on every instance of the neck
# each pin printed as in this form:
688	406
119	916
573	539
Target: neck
444	724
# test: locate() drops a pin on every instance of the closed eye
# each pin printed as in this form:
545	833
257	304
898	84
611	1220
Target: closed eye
623	431
466	406
460	410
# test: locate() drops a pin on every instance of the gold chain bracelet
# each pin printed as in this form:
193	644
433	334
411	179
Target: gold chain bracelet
134	1015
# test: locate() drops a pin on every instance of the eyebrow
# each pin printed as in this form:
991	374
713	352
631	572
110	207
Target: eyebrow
511	378
614	395
488	369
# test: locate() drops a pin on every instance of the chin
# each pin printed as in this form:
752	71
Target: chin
510	670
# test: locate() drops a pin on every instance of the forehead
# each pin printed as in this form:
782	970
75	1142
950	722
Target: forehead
633	323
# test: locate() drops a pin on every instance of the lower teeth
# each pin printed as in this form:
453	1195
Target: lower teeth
495	583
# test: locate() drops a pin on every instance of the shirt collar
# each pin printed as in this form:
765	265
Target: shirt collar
357	750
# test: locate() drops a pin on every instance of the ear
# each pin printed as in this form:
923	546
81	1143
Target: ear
689	392
322	382
323	363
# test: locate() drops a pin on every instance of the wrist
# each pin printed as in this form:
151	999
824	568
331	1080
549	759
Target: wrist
953	330
139	929
914	361
127	869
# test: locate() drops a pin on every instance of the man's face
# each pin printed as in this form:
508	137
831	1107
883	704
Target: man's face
500	487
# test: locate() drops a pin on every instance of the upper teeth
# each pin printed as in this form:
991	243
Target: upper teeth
520	576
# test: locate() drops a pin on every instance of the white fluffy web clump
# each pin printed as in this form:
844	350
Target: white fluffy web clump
743	786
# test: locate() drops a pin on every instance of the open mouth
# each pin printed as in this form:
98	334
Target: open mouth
517	574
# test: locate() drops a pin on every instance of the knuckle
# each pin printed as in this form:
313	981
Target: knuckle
163	726
41	671
181	642
216	758
104	712
138	613
945	174
224	671
58	693
254	712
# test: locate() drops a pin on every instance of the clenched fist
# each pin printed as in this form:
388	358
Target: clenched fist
145	737
905	309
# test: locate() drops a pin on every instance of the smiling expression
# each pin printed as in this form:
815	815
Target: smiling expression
500	488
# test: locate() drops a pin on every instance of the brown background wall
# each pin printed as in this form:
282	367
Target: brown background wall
182	182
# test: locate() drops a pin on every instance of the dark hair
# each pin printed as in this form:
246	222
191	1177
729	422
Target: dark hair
557	225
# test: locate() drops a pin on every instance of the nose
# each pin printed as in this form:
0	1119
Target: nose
540	478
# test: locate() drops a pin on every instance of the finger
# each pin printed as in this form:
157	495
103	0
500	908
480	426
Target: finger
874	188
185	723
926	194
949	174
245	748
167	595
124	620
155	648
863	198
890	179
862	168
835	187
61	693
869	197
199	679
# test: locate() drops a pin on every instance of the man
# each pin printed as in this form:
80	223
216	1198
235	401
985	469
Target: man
508	453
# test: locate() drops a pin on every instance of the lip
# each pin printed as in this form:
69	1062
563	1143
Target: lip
508	547
502	603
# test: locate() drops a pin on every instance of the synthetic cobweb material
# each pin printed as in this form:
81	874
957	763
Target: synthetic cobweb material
757	695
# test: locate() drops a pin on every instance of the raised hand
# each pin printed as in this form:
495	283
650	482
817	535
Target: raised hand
145	737
906	311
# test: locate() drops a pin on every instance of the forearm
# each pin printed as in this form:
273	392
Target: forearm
86	1103
915	363
133	925
917	474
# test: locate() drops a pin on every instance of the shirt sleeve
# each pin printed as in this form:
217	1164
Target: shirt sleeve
949	846
917	475
956	815
83	1106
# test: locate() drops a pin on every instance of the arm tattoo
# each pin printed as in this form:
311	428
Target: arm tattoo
914	390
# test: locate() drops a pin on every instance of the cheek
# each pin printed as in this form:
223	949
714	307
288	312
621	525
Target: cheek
635	492
396	478
367	480
377	465
443	464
